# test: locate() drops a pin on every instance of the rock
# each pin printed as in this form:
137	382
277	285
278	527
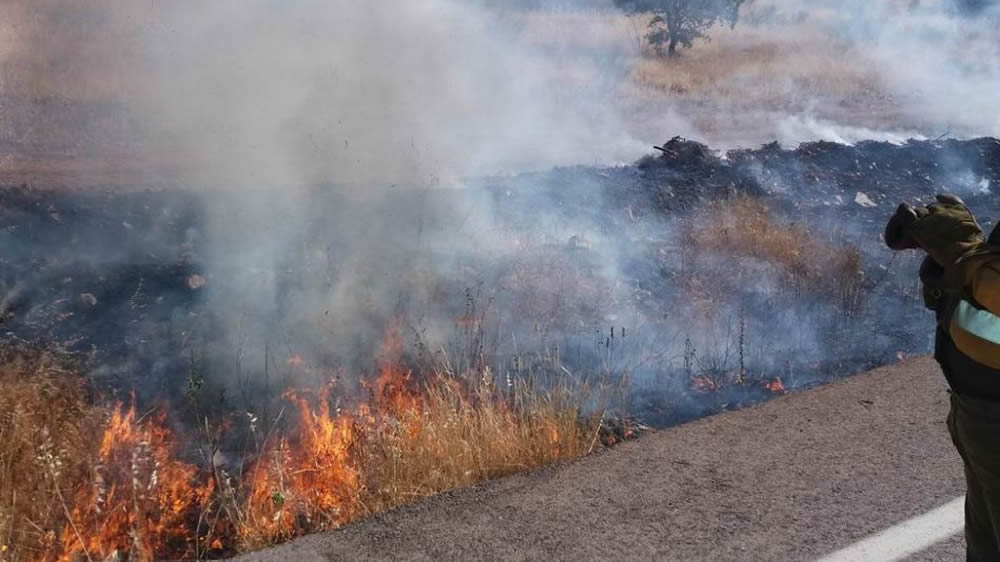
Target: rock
863	200
195	281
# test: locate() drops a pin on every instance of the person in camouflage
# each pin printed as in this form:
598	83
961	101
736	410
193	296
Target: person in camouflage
961	283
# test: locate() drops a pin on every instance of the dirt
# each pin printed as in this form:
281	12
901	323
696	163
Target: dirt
792	479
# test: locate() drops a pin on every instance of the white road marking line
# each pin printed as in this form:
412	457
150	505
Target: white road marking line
909	537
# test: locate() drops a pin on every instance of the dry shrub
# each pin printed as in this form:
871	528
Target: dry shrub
414	437
743	227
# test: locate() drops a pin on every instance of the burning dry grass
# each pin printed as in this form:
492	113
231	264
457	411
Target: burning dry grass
81	482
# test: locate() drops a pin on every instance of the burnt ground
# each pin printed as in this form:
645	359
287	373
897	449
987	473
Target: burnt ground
793	479
121	276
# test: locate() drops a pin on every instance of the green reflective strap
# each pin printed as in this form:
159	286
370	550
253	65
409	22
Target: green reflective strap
980	323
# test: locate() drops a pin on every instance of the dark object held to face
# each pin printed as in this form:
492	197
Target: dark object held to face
946	230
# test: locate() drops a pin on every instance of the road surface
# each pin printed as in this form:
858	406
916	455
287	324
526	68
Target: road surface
801	477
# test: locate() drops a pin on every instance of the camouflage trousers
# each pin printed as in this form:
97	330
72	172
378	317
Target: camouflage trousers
975	429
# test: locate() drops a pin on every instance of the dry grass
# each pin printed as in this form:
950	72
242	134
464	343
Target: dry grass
458	440
85	482
47	435
400	448
762	67
765	63
743	232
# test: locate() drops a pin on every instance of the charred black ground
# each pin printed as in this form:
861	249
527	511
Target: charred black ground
135	309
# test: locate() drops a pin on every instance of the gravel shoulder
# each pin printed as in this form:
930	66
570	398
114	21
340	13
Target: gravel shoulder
798	477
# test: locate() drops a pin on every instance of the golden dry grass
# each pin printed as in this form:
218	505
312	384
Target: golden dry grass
743	227
764	67
47	434
411	446
460	440
765	63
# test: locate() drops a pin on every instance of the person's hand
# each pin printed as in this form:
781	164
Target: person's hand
946	230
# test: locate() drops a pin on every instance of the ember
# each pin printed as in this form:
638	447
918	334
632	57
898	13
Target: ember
775	386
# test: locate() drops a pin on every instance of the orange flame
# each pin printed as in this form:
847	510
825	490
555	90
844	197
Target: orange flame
146	502
311	475
142	496
775	386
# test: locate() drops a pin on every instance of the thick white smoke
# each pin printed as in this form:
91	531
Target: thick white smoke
324	133
331	138
337	90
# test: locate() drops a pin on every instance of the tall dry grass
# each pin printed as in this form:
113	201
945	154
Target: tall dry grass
83	481
442	437
743	227
460	439
48	429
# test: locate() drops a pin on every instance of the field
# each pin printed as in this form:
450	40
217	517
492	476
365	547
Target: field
112	113
267	271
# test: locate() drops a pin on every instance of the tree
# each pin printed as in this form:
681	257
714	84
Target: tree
680	22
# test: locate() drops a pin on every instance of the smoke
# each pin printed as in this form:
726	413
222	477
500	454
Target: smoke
332	144
320	91
331	140
940	63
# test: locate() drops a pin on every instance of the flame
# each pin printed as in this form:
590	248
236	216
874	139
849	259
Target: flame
312	474
296	361
146	503
142	496
394	392
775	386
149	500
704	383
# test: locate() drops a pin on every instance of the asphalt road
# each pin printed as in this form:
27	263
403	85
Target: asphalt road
796	478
